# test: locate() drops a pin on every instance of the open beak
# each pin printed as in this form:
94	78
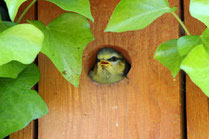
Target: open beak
104	63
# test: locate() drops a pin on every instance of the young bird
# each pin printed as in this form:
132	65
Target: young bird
110	67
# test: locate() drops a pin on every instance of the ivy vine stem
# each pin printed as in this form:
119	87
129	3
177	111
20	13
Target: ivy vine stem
25	11
182	24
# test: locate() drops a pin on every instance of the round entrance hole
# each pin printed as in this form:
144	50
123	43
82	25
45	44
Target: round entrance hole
112	59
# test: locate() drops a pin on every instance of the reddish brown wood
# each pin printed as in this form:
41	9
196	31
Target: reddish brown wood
26	133
29	131
196	101
146	105
30	15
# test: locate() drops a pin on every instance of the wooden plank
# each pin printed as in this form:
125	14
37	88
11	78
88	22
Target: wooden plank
197	107
30	15
26	133
29	131
146	105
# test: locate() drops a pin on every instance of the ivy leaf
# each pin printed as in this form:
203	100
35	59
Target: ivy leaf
18	104
21	43
79	6
13	6
187	43
65	39
5	25
137	14
168	55
11	69
205	38
196	65
200	9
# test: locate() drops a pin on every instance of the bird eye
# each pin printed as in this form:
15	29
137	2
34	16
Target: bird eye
113	59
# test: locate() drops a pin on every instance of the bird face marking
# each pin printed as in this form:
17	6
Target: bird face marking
113	59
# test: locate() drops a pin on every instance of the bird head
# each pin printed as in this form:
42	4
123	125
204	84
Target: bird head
108	58
110	66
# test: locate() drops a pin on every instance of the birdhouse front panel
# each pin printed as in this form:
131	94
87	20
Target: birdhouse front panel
143	102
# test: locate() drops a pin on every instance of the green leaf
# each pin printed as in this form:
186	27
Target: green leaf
18	104
79	6
187	43
5	25
13	6
11	69
205	38
168	55
137	14
200	9
65	39
20	43
196	65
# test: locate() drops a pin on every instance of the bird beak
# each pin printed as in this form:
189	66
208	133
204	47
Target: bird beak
104	63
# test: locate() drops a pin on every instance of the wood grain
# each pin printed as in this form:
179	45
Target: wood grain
30	15
29	131
146	105
26	133
197	107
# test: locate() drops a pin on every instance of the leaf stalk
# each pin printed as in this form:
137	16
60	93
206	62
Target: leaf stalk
25	11
181	23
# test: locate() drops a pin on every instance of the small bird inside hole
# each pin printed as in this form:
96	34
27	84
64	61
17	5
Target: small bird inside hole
110	67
